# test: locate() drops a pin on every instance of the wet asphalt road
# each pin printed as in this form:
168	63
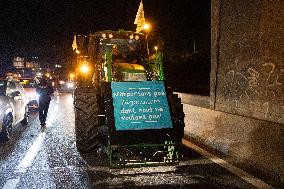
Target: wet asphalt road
42	159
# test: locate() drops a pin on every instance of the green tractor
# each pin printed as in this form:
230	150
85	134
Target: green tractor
121	102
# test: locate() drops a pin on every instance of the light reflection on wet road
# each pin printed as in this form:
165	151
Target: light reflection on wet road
36	158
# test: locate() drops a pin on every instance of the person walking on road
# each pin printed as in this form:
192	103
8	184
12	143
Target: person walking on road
45	90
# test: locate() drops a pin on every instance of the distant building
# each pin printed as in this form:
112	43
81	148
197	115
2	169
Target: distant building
32	64
24	67
19	62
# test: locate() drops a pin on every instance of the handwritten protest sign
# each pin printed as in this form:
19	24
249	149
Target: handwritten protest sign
140	105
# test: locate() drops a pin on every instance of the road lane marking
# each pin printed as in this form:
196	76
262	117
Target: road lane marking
237	171
33	150
30	155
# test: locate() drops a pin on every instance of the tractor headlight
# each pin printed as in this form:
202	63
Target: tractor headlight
84	68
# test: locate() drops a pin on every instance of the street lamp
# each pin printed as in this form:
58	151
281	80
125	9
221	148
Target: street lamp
146	28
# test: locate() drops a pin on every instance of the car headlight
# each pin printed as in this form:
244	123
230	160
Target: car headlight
61	82
70	85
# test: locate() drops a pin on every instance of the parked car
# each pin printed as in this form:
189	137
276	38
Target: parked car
29	85
13	106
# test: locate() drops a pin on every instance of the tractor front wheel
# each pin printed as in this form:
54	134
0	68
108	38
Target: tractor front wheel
86	119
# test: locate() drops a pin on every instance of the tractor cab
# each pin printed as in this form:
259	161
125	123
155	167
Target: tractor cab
123	55
118	56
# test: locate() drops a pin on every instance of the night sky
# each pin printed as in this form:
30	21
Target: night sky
45	28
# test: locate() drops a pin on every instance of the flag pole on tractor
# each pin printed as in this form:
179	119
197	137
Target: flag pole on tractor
140	19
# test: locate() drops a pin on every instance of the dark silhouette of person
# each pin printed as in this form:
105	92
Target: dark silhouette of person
45	90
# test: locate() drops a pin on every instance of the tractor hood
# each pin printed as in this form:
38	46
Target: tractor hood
132	72
131	68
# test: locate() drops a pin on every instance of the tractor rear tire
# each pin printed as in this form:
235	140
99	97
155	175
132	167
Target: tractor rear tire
86	119
177	115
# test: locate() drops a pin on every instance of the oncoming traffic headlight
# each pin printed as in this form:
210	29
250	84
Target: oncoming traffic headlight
70	85
84	68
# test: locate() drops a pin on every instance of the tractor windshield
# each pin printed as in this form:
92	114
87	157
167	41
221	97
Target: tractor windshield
123	50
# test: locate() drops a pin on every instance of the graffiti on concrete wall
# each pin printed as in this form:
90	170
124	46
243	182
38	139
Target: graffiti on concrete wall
256	90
